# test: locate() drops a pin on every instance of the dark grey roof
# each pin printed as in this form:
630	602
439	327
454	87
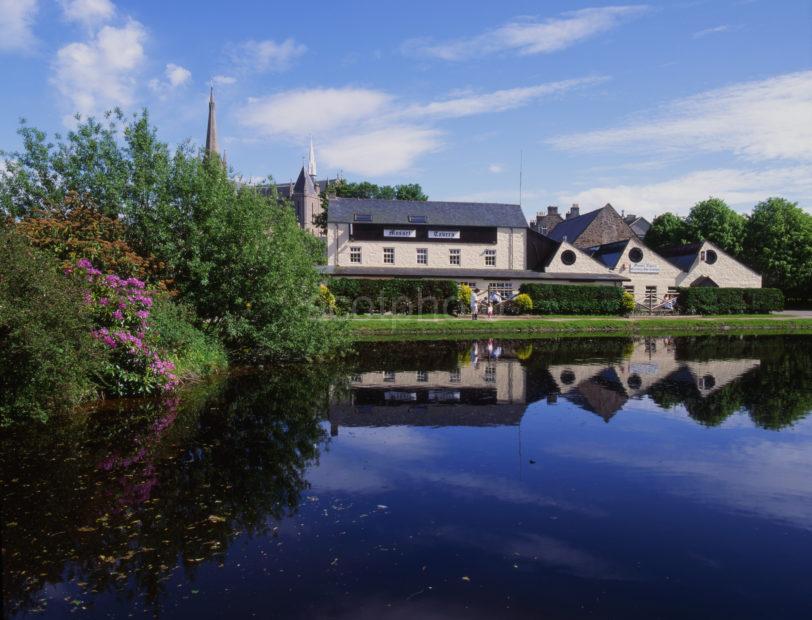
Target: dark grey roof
609	253
573	227
304	184
639	225
437	213
681	256
460	273
540	250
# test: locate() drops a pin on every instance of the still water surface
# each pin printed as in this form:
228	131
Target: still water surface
551	478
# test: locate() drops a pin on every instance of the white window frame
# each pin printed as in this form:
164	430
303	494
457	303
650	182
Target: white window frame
455	257
389	256
490	258
355	252
422	256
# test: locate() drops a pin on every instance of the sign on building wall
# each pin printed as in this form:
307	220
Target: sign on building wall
444	234
399	233
644	268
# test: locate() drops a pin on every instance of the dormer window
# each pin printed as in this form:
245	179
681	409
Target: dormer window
418	219
362	217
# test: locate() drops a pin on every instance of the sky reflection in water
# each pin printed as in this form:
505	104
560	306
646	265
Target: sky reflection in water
549	478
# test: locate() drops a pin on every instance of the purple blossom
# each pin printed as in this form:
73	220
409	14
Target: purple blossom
142	314
103	301
118	315
84	263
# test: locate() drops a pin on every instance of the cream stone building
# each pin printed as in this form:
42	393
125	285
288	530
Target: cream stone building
704	264
485	245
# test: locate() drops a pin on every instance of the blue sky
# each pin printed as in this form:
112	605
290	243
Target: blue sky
648	106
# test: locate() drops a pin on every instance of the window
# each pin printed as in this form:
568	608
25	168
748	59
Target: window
543	230
651	296
490	258
422	376
629	288
710	257
362	217
389	376
389	256
635	255
505	289
567	377
490	373
454	376
672	291
454	257
471	285
355	254
418	219
568	257
422	256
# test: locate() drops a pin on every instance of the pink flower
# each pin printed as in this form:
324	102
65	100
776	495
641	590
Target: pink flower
104	301
118	315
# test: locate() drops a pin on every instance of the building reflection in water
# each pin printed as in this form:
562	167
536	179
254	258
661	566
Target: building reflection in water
493	382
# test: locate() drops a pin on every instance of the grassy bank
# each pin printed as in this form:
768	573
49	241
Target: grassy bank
450	327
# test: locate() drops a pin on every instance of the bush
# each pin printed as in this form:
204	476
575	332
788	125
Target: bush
120	310
360	296
327	300
628	303
701	300
521	304
47	356
172	330
574	299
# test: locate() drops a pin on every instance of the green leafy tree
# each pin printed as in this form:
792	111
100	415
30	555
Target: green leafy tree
47	356
778	244
713	220
667	229
410	191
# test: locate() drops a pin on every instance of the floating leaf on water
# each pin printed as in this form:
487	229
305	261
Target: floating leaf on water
216	519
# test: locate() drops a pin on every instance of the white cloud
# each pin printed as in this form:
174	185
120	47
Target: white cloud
760	120
378	134
496	101
299	113
224	80
16	19
381	151
88	12
177	75
266	55
714	30
100	73
530	36
496	168
741	188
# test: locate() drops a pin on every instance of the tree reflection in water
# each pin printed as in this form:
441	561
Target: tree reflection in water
120	498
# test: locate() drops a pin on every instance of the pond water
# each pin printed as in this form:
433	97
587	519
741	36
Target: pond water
562	478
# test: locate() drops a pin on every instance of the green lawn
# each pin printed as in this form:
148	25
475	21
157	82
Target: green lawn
445	326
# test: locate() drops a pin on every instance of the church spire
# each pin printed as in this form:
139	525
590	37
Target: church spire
311	161
211	130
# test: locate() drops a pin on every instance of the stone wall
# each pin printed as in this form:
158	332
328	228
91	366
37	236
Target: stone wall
510	251
727	272
663	280
584	263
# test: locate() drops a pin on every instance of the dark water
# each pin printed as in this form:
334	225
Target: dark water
547	479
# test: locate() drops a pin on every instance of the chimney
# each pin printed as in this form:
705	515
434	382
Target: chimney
552	210
574	211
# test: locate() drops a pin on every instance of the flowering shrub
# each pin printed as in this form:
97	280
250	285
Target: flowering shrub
120	311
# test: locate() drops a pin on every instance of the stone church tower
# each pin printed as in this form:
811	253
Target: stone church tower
305	194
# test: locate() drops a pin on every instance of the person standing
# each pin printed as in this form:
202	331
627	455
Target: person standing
490	310
474	304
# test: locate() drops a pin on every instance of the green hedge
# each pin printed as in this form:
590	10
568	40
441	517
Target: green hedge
361	296
702	300
574	299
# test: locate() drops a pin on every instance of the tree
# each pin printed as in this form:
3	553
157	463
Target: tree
410	191
714	221
778	244
667	229
365	189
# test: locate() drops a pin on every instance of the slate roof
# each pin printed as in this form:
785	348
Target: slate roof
682	256
639	225
573	227
460	273
540	250
437	213
304	184
609	254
